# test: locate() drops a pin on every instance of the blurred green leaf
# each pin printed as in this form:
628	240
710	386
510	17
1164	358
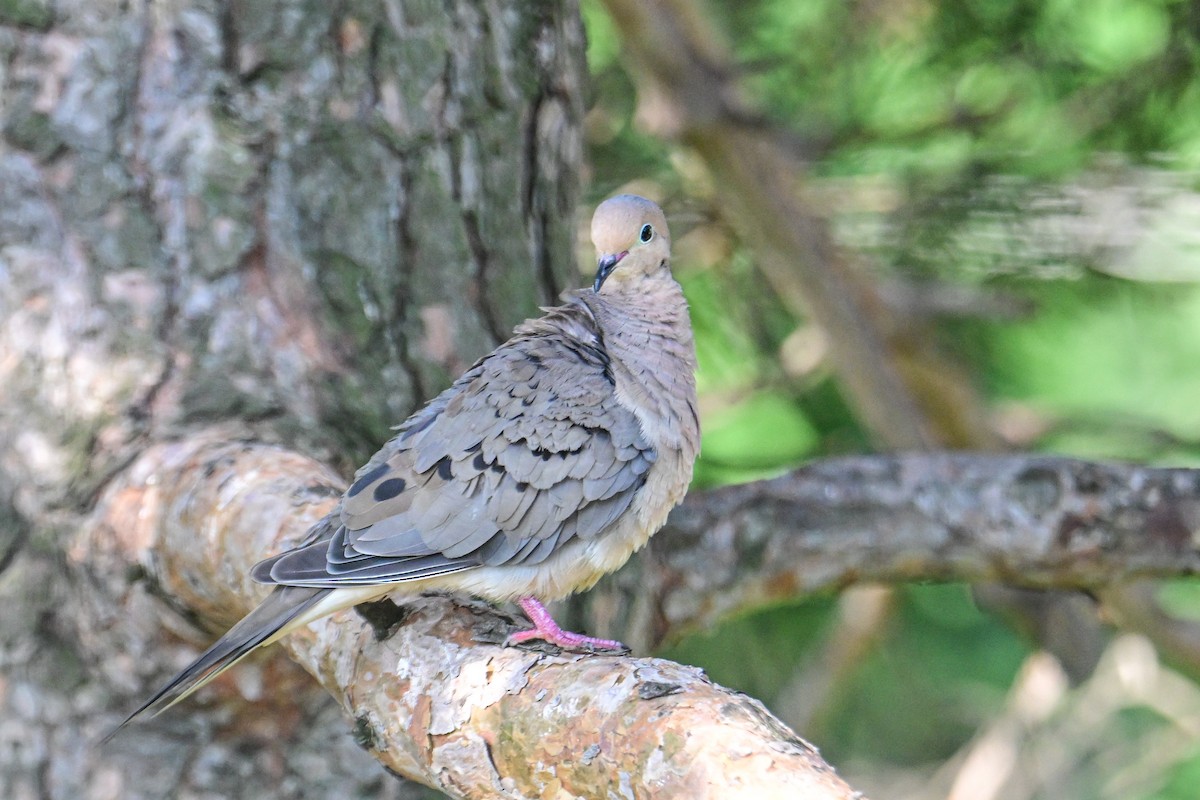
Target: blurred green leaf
765	431
1108	347
1183	781
1181	598
1107	35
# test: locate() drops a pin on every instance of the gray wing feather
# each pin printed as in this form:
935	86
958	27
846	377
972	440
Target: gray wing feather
528	450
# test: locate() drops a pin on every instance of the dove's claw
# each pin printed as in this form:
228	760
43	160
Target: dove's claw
546	629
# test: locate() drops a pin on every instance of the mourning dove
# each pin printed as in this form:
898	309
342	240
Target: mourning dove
541	469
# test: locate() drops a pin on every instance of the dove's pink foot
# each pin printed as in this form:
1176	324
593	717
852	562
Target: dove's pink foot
545	628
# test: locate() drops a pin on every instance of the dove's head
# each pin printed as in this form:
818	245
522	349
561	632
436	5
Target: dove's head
631	238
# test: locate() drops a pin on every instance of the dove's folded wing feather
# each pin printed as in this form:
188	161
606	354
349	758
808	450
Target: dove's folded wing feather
527	451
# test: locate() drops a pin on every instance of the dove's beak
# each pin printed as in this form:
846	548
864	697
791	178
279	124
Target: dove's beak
604	267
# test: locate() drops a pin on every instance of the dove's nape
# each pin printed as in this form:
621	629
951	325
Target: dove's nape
542	468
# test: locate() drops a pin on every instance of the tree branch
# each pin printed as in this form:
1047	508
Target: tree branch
434	695
435	698
1035	521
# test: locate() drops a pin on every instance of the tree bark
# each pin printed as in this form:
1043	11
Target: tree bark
1041	522
289	219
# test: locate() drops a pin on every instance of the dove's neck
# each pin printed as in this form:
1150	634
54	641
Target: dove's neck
654	318
647	335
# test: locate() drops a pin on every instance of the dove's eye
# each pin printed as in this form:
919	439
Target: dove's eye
647	233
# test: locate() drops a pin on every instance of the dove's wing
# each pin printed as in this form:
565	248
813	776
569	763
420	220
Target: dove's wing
525	452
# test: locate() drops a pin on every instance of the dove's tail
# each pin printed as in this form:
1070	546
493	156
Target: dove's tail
262	625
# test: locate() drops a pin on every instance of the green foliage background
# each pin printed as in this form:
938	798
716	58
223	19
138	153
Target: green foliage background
1043	153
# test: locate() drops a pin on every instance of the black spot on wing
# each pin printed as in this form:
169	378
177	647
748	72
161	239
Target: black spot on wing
389	489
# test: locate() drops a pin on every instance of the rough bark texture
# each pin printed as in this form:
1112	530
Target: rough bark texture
1027	521
296	219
